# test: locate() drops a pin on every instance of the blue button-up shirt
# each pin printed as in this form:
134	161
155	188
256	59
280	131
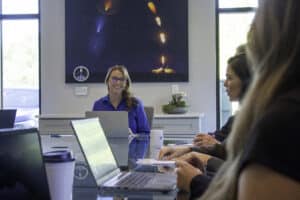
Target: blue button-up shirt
138	124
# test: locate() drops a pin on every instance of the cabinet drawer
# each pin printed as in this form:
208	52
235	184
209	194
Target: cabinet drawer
179	126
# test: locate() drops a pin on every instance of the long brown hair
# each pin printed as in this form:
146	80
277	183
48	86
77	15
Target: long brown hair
126	94
241	68
274	49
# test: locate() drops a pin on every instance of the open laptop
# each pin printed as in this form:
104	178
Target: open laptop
103	166
115	126
22	172
7	118
114	123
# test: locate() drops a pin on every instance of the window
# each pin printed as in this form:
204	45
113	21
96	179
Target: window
237	3
20	57
234	19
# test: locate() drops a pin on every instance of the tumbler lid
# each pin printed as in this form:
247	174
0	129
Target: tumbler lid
58	156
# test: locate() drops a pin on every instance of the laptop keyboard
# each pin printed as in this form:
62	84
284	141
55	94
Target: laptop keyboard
135	180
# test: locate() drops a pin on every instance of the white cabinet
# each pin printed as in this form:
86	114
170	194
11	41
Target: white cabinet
179	126
175	126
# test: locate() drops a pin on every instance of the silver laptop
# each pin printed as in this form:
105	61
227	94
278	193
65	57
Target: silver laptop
7	118
115	126
103	166
114	123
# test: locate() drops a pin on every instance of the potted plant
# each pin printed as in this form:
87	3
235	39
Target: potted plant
177	105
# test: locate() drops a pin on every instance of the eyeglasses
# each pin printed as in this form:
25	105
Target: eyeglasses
115	79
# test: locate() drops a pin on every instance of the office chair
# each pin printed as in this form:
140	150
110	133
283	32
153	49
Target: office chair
149	110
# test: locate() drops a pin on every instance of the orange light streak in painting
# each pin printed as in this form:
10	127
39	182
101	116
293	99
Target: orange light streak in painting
162	37
152	7
107	5
158	70
158	21
163	60
168	70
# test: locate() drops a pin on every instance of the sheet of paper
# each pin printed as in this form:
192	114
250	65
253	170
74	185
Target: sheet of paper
154	162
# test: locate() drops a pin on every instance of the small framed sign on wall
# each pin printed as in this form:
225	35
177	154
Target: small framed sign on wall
149	37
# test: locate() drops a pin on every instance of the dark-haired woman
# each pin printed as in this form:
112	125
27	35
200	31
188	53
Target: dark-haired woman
208	149
238	77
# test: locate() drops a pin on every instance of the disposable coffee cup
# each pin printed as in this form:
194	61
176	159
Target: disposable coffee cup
60	173
156	142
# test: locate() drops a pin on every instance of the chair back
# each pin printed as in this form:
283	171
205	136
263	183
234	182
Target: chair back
149	110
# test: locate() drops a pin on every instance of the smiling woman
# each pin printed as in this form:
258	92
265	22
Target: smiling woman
234	19
119	98
238	78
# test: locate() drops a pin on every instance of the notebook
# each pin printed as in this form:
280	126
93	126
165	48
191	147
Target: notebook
103	166
115	126
21	165
7	118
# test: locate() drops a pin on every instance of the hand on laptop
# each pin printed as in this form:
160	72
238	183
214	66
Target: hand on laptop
171	152
196	159
185	173
203	139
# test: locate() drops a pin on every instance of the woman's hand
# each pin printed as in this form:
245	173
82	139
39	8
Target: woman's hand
203	139
196	159
185	173
169	152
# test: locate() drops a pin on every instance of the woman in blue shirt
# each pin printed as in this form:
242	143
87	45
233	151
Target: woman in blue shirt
119	98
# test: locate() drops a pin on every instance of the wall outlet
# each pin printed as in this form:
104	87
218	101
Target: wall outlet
81	91
175	89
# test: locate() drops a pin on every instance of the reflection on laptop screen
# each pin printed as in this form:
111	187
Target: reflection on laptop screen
108	121
22	172
7	118
116	133
95	146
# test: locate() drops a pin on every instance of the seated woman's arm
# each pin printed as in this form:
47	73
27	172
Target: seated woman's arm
261	183
223	133
198	185
216	150
213	165
141	119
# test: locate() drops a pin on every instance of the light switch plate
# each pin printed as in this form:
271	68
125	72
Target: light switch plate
175	89
81	91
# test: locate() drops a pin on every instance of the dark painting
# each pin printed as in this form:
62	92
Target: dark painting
149	37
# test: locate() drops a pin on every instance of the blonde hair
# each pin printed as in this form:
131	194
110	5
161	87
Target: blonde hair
273	47
126	94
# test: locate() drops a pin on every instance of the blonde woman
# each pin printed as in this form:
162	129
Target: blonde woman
262	161
119	98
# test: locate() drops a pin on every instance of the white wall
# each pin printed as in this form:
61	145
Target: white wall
58	98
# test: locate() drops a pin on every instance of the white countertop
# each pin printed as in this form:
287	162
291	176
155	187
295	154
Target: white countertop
159	115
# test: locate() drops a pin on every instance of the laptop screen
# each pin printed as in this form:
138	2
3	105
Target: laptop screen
7	118
22	172
108	121
95	147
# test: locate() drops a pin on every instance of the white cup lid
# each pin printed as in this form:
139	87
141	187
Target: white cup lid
58	156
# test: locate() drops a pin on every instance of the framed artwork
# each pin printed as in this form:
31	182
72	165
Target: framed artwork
149	37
